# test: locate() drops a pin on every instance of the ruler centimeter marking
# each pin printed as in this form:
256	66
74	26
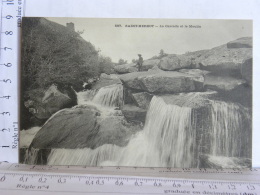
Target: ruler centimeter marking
73	184
117	180
11	17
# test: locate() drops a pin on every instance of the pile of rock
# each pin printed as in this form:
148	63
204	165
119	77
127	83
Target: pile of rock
43	106
226	69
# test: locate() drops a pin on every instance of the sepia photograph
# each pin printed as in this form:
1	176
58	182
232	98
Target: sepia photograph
136	92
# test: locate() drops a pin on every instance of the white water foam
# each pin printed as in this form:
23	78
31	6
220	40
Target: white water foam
228	136
167	140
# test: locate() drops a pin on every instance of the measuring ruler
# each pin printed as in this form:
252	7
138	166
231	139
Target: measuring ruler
16	178
11	17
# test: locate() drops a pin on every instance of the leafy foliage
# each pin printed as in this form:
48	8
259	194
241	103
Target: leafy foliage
51	53
121	61
162	54
106	65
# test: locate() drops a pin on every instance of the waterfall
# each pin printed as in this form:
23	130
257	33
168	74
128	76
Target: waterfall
110	96
85	96
167	140
175	130
85	156
230	129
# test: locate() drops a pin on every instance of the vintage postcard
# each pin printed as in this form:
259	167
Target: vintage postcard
136	92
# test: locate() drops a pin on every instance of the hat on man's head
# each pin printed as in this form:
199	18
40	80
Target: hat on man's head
139	54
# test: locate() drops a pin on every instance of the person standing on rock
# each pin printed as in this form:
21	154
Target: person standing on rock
140	62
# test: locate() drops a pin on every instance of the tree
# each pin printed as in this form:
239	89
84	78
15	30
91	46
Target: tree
53	54
162	54
106	65
121	61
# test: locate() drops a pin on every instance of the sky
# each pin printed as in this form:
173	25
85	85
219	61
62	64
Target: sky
173	36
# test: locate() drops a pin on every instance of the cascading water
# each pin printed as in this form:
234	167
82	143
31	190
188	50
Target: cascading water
230	129
167	140
110	96
85	96
85	156
106	99
169	137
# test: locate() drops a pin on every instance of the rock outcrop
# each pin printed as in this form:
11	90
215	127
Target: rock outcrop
163	82
52	101
218	83
133	113
142	99
192	100
176	62
83	126
224	59
244	42
247	71
41	105
149	64
126	68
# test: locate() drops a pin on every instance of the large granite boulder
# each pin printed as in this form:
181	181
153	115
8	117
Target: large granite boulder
53	101
83	126
163	82
126	68
246	71
149	64
66	128
244	42
133	113
191	100
42	106
241	93
175	62
142	99
224	60
222	83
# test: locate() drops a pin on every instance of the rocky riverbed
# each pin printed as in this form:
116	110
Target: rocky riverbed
179	111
